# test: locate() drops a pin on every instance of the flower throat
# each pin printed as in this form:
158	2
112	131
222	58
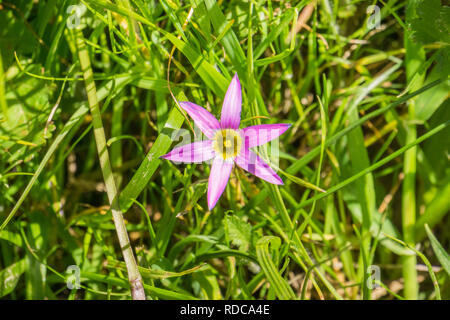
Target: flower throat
227	143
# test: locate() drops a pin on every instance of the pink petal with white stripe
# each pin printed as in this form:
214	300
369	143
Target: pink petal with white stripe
203	119
260	134
232	104
192	153
218	179
252	163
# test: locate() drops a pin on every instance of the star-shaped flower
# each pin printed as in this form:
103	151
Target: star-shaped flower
226	143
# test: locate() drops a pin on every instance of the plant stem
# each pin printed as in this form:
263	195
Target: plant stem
134	277
4	106
409	215
414	57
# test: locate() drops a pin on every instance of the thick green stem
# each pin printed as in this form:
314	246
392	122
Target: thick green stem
409	211
409	217
134	277
414	58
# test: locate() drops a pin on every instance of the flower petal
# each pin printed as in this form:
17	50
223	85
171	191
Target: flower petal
194	152
203	119
232	104
252	163
257	135
218	179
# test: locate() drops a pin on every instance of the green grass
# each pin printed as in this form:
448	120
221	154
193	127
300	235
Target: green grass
86	113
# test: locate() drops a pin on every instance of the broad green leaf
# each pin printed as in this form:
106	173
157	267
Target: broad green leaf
428	102
205	284
441	254
12	237
432	22
10	276
435	211
238	231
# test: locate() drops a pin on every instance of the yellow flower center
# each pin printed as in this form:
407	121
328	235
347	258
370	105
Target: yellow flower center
227	143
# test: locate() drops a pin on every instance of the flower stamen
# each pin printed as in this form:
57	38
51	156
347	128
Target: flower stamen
227	143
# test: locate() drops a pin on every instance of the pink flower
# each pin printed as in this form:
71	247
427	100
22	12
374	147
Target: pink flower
227	144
